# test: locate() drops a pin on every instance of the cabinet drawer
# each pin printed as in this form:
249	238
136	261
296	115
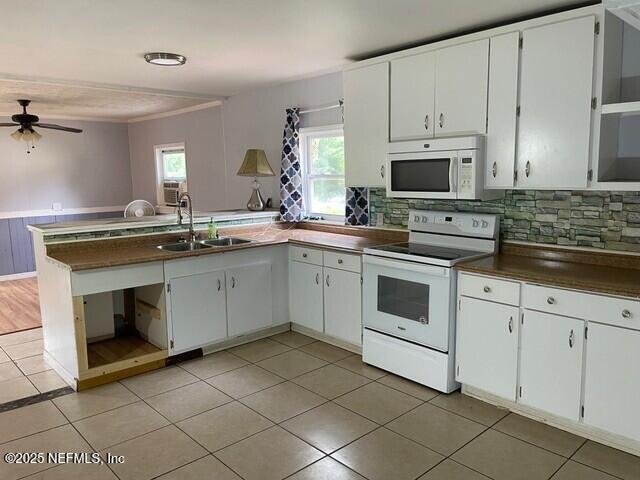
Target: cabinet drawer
596	308
489	288
307	255
343	261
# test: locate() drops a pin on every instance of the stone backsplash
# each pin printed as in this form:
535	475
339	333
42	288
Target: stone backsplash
607	220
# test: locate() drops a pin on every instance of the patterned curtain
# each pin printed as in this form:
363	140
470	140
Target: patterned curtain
357	206
291	203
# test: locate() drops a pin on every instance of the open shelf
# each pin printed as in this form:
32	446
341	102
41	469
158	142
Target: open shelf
117	349
622	107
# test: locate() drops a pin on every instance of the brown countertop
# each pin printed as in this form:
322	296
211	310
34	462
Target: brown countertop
615	274
88	255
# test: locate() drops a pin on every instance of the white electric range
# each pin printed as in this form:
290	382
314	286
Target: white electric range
409	292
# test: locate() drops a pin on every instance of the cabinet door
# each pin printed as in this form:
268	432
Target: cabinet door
412	96
461	88
366	124
501	110
305	295
555	104
249	299
551	363
611	387
487	346
198	310
343	305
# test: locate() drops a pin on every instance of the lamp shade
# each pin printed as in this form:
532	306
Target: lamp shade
255	164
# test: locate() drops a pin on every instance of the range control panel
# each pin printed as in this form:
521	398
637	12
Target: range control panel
454	223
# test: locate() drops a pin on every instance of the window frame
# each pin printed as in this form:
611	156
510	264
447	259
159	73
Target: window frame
305	135
159	163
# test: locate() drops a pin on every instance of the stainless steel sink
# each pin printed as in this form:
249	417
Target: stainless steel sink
224	241
183	246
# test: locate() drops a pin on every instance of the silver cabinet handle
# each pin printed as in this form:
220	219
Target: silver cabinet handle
626	313
340	261
304	255
219	285
494	169
510	324
401	328
382	171
317	279
233	282
527	168
571	336
551	300
328	281
426	122
441	122
486	289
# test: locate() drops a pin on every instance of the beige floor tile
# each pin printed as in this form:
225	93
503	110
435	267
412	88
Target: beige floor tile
329	427
187	401
213	364
502	457
450	470
222	426
470	408
407	386
94	401
4	357
76	471
207	467
610	460
59	439
31	365
378	402
155	453
270	455
47	381
283	401
383	454
28	420
576	471
293	339
437	429
159	381
21	337
8	371
15	389
326	469
244	381
119	425
355	364
545	436
331	381
291	364
23	350
259	350
325	351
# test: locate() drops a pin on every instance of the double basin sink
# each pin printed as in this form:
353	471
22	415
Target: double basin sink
202	244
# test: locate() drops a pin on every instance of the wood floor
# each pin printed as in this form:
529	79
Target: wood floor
19	305
115	349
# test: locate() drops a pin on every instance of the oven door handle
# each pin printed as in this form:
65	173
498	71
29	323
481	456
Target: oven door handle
406	266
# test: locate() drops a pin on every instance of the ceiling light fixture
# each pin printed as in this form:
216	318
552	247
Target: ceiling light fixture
165	59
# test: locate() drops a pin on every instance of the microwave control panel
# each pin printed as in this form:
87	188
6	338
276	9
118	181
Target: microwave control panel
466	175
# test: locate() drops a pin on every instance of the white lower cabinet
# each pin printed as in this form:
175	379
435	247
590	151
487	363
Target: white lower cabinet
487	346
306	295
343	305
551	363
249	300
199	308
612	385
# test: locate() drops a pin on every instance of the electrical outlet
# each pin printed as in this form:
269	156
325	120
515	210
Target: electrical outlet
379	218
56	207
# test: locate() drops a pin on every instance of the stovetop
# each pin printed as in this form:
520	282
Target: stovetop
425	253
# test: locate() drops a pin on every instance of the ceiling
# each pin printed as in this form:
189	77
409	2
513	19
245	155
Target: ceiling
231	46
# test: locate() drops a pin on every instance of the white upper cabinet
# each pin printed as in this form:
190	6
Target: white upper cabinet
461	88
501	110
366	124
412	96
555	104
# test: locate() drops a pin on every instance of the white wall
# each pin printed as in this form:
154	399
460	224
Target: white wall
89	169
201	132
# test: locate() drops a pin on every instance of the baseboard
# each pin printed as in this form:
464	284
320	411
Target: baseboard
17	276
326	338
249	337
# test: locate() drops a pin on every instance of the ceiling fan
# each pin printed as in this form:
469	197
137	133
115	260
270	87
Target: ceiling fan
25	123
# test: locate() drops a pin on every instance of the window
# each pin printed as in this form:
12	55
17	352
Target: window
174	164
171	166
322	155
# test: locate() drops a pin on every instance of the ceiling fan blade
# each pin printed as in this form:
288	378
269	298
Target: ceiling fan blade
9	125
53	126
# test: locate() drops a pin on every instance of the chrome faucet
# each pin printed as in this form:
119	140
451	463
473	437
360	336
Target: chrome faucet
192	233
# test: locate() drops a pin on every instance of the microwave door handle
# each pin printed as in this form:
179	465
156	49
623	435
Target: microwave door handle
453	174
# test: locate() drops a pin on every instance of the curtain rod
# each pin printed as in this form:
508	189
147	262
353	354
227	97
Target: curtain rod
321	108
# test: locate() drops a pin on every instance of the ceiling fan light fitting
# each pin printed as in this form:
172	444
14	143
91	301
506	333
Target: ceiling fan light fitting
165	59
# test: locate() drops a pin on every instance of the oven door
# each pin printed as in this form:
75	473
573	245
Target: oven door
422	175
408	300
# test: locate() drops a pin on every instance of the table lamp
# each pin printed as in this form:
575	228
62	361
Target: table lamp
255	165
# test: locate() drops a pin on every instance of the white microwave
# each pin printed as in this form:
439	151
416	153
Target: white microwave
447	168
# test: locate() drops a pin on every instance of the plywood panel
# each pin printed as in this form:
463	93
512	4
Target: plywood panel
6	259
21	247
